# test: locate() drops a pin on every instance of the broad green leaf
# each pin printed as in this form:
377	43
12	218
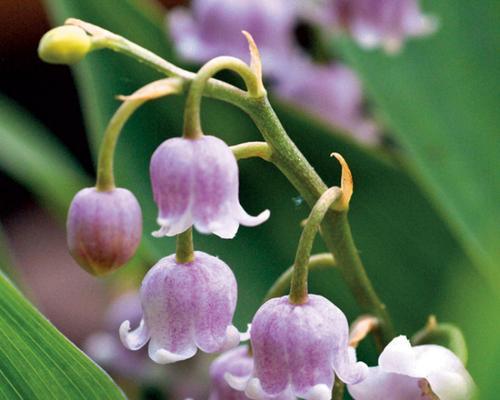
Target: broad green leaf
38	362
404	243
31	155
441	98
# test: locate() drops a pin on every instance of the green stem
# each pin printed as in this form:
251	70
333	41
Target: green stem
282	284
105	176
252	149
335	230
184	251
298	286
338	389
286	156
192	122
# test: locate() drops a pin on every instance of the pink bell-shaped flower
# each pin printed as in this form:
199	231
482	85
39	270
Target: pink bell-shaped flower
332	92
213	28
299	348
375	23
232	365
406	372
195	182
104	229
185	306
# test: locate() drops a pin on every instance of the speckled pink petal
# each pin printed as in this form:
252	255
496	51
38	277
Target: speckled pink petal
172	181
216	304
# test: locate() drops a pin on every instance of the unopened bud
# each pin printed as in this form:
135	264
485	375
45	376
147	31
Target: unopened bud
103	229
64	45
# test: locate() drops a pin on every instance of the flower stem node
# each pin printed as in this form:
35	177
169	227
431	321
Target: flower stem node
299	348
104	229
64	45
195	182
415	373
185	306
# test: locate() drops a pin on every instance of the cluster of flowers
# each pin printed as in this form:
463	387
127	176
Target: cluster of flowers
296	349
330	90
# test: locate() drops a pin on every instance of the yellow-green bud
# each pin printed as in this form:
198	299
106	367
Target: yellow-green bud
64	45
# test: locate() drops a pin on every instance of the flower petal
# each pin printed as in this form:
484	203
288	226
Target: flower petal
237	382
399	357
346	367
319	392
380	385
172	183
163	356
134	340
247	220
214	293
444	371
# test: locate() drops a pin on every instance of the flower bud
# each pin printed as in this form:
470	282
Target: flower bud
103	229
64	45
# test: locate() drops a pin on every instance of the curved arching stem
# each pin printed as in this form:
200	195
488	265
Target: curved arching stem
298	286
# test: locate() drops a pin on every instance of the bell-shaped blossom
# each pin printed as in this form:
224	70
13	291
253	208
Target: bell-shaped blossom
406	372
299	348
185	306
213	28
104	229
195	182
332	92
233	365
374	23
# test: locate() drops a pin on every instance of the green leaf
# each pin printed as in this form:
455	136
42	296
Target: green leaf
441	97
32	156
38	362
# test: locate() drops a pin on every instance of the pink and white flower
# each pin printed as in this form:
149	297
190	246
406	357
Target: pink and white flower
195	182
186	307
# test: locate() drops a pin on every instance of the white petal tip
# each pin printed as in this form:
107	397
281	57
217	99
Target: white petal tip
319	392
254	390
236	382
133	340
232	338
248	220
246	335
162	356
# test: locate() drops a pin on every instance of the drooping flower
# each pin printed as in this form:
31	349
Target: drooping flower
213	28
332	92
195	182
414	373
375	23
185	306
299	348
104	229
234	364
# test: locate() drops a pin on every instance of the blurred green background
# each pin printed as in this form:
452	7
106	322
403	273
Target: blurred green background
425	213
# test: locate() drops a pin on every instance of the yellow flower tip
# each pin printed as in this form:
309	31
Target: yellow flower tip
64	45
346	184
255	60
